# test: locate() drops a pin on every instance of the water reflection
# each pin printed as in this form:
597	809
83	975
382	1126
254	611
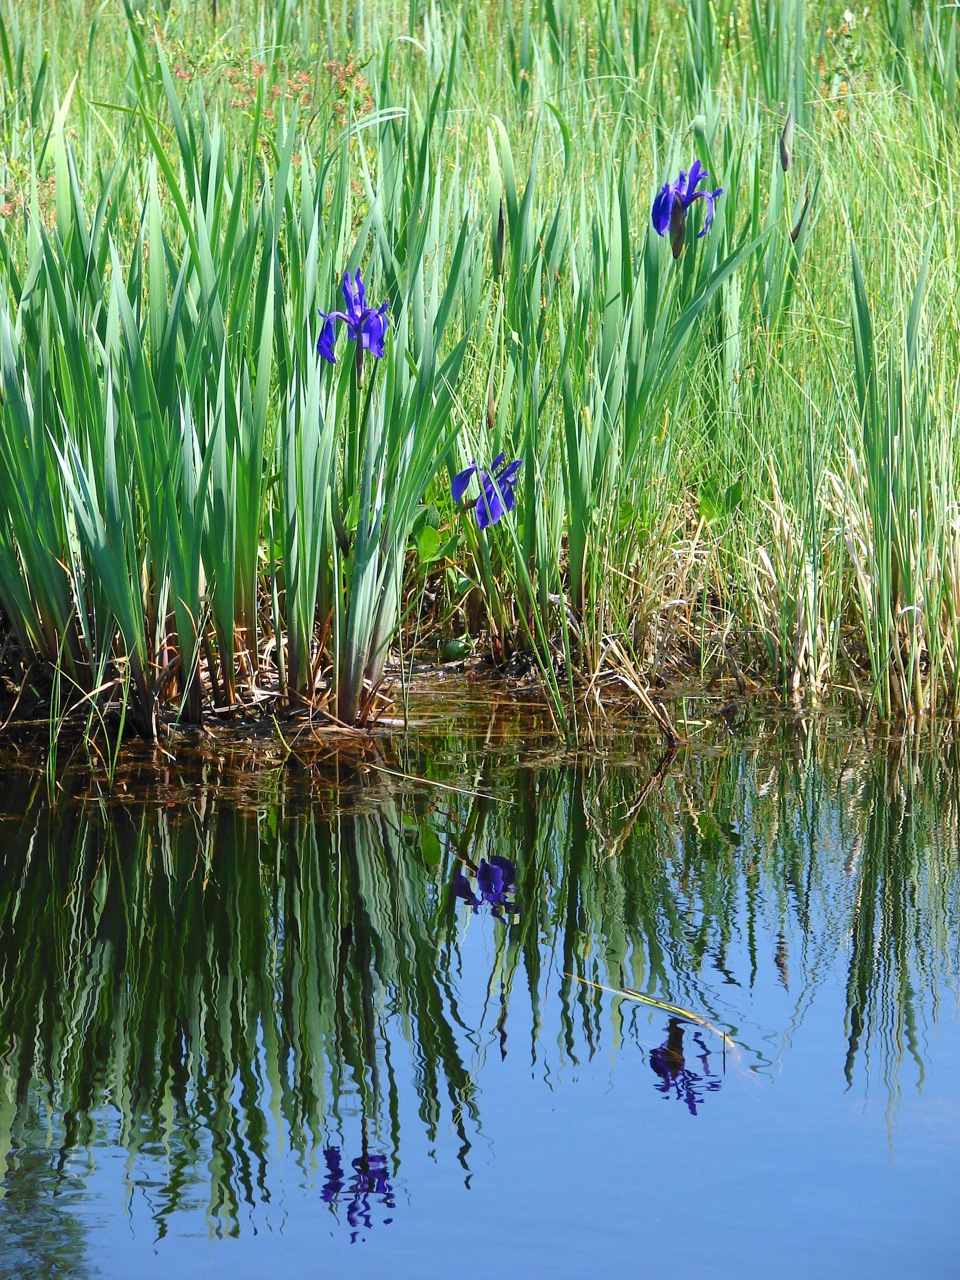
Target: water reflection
496	883
195	978
367	1188
676	1078
41	1229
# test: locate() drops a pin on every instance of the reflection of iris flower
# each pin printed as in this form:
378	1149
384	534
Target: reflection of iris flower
676	1079
371	1177
334	1180
495	879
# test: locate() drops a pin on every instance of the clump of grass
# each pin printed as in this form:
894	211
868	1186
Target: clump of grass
725	466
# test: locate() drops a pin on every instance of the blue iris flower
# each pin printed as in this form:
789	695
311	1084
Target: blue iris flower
496	489
675	198
366	326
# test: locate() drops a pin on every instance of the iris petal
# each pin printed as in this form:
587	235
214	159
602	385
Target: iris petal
710	197
352	296
496	489
508	868
491	881
496	879
661	209
461	889
506	476
373	330
697	175
365	325
490	506
326	339
674	199
460	482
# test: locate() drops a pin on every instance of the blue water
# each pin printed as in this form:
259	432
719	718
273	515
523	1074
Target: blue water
581	1137
583	1168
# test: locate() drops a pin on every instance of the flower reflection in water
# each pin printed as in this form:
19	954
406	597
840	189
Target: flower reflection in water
676	1078
495	880
369	1183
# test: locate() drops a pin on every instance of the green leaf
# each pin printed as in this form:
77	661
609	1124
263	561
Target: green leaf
428	545
716	501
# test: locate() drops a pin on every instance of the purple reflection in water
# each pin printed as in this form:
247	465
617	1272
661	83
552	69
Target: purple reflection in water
677	1080
368	1185
496	879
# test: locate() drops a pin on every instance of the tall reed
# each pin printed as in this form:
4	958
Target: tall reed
201	515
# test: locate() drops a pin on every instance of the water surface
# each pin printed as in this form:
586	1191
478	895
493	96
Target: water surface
314	1017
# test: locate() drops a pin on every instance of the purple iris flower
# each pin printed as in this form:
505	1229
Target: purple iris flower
675	198
367	326
496	489
496	879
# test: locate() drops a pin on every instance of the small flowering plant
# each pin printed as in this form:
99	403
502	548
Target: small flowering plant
496	879
366	326
496	489
675	198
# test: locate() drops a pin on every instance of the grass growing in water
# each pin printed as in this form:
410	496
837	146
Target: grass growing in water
740	459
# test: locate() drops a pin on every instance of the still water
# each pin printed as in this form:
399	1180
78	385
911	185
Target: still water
311	1018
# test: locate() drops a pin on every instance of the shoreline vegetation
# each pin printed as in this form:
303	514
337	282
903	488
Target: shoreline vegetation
600	424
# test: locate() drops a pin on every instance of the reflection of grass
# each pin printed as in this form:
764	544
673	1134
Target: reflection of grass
905	907
221	971
742	867
198	969
663	1005
40	1234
